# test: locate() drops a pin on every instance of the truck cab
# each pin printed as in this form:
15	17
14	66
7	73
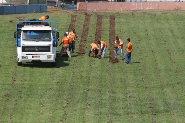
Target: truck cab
36	41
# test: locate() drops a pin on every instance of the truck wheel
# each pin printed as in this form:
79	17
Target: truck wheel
19	63
53	64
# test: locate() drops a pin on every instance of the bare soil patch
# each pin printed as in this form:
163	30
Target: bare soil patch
84	36
111	40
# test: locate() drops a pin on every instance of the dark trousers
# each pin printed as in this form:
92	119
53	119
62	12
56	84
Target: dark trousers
95	52
70	46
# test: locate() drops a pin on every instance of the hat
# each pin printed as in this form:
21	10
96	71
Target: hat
128	39
117	37
67	33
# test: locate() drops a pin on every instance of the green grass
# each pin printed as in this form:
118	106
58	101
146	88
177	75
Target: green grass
83	89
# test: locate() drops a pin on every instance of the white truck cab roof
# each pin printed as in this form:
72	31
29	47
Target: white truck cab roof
36	27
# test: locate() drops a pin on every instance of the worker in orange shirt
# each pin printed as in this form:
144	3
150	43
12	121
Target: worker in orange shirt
74	35
103	47
119	47
43	18
65	45
70	40
94	49
129	51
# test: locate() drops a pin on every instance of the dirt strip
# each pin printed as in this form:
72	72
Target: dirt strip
98	27
72	24
111	40
84	35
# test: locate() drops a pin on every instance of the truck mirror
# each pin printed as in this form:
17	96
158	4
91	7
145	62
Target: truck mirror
15	33
57	35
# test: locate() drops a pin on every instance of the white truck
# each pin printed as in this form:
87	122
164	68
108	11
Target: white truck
36	41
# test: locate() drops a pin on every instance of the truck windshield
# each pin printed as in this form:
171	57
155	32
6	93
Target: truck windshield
37	35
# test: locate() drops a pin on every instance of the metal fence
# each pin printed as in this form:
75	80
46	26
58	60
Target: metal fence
22	9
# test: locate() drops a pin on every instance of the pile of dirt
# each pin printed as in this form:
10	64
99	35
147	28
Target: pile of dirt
113	60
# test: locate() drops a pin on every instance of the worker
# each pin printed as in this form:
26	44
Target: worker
103	47
65	45
70	40
73	35
43	18
129	51
94	50
119	47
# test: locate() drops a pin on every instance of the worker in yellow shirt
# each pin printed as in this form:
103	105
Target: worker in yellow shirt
43	18
129	51
94	50
119	47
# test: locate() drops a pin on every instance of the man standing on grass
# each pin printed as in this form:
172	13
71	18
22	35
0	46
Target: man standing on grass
119	47
70	41
65	45
74	35
129	51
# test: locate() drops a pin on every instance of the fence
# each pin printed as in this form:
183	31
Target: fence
22	9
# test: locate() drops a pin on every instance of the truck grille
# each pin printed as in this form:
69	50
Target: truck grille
35	48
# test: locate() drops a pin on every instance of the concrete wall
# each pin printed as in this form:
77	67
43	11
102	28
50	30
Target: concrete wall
127	6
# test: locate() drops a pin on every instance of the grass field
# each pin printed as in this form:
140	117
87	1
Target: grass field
82	89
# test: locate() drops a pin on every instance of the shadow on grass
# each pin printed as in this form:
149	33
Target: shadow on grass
72	55
136	62
61	61
37	64
106	56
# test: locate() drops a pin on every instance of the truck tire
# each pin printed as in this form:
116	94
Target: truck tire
53	64
19	63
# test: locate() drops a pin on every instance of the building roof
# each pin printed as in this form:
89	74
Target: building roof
3	1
